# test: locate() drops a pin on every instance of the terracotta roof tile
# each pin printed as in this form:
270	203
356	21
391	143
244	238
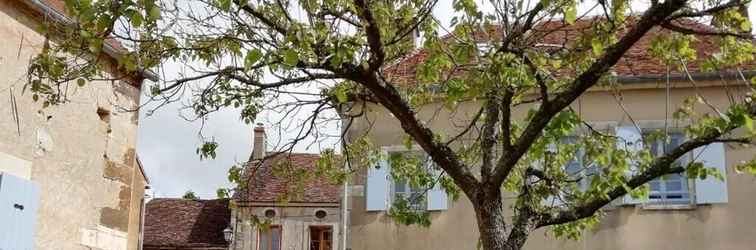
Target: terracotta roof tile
636	62
267	185
186	223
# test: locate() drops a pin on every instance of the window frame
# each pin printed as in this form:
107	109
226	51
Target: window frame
689	185
322	229
423	205
270	236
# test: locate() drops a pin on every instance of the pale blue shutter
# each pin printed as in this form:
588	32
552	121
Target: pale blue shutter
437	197
19	200
377	187
630	138
711	190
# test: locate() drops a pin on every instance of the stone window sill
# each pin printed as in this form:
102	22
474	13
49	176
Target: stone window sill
657	206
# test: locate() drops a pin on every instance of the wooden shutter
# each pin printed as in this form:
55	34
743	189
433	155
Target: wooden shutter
377	187
19	200
630	139
711	190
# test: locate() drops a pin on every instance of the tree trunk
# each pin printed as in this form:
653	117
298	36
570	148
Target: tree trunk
491	225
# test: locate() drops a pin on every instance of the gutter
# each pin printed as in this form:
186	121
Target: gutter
699	76
108	49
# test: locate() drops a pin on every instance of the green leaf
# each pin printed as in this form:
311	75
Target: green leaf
340	93
252	57
224	5
136	19
290	57
154	14
570	14
748	122
597	47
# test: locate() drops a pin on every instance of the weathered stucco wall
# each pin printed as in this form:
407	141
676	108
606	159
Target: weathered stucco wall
295	222
718	226
83	162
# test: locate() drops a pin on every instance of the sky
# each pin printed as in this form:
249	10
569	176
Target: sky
167	142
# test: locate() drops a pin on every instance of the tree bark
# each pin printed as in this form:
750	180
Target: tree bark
491	225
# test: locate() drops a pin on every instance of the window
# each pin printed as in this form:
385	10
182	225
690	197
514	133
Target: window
414	196
269	238
576	168
321	238
320	214
671	188
402	189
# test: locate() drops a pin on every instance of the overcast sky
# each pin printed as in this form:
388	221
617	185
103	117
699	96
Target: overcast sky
166	143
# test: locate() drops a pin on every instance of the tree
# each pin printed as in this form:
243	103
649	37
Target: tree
252	54
190	195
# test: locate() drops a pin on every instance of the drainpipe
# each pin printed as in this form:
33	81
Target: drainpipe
344	215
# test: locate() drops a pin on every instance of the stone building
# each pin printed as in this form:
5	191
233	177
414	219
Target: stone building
277	212
70	171
181	224
680	213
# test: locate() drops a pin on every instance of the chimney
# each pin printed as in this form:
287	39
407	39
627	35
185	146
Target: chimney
258	142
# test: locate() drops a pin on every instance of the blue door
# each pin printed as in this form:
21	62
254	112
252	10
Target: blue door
19	200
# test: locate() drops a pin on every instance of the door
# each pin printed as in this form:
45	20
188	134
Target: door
321	238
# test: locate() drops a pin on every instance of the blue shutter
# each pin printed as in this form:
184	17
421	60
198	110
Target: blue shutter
630	138
437	197
377	187
19	200
711	190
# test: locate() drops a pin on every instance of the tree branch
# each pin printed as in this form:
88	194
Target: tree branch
659	167
441	154
655	15
373	34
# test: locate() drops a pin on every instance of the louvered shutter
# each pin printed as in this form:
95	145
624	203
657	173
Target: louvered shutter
711	190
19	200
377	187
437	197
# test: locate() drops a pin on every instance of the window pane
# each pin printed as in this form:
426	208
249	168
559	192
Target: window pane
573	167
655	185
264	238
674	186
275	238
400	186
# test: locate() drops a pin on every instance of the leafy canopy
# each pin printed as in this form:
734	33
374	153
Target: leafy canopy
330	57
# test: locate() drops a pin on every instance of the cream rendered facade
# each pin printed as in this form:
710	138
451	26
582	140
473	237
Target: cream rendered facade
727	225
80	155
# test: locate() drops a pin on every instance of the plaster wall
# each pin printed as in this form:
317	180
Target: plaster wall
83	163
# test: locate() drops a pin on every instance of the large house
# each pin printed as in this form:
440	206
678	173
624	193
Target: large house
69	175
678	214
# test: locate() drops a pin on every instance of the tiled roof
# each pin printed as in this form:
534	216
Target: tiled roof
637	62
268	185
186	223
60	7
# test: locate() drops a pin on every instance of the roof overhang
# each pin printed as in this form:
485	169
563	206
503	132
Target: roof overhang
287	204
698	76
108	49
